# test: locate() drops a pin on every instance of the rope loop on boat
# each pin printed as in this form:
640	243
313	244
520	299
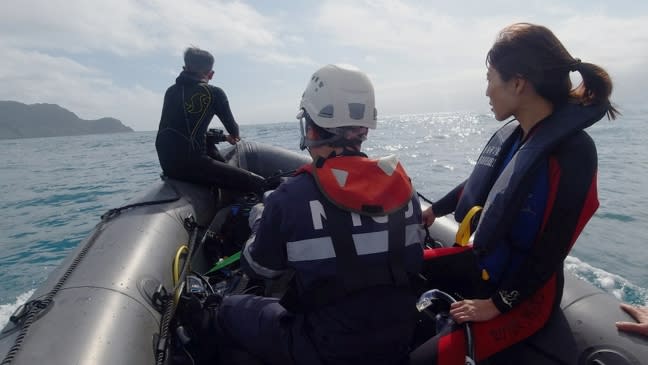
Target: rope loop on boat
27	314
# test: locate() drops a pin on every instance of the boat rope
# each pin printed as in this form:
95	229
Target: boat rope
28	312
116	211
163	339
168	304
424	198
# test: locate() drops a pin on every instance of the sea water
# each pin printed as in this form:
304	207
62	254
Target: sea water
53	190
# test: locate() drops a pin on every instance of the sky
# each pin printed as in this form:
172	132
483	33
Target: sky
116	58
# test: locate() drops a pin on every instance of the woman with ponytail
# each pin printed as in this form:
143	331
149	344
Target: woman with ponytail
536	182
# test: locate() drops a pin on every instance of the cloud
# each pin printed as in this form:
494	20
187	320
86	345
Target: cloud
618	44
35	77
48	46
436	33
613	42
131	28
430	53
279	58
414	32
422	56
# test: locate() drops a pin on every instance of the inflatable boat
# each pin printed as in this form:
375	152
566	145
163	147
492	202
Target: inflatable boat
115	299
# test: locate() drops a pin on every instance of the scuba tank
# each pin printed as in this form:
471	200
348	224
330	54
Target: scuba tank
229	230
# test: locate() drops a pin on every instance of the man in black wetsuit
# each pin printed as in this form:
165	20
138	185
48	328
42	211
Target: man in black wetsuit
181	143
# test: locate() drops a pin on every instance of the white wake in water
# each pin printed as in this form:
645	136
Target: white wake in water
616	285
6	310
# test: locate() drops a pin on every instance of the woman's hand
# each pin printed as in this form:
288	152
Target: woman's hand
428	217
640	314
473	310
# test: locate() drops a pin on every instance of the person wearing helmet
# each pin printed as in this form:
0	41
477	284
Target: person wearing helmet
182	143
347	228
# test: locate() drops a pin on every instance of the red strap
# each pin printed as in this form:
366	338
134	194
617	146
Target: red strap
432	253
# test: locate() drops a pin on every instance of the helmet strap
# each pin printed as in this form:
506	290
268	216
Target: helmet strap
335	137
306	123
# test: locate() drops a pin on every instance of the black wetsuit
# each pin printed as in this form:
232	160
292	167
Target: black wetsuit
189	106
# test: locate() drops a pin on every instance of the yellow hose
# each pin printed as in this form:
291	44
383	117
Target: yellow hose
464	233
178	291
182	250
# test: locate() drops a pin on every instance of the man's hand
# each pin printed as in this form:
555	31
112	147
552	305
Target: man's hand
232	139
428	217
473	310
640	314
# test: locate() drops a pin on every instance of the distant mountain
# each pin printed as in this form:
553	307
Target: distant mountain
18	120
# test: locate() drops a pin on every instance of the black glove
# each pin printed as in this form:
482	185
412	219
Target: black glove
256	183
273	182
199	316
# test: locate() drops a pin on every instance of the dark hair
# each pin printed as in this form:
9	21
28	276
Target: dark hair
342	140
535	53
198	60
319	131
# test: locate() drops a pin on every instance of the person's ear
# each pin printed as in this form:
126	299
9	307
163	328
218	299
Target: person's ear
312	134
520	84
210	74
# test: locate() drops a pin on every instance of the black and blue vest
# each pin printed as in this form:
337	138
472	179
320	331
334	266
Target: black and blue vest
502	195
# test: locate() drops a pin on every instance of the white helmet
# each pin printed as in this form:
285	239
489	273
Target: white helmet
338	96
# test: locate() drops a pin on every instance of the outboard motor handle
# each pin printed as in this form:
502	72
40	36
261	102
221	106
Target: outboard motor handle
429	302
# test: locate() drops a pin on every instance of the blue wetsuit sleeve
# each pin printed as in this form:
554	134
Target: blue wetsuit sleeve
223	112
571	203
264	254
448	203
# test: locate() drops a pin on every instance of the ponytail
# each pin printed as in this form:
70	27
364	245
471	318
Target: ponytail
595	88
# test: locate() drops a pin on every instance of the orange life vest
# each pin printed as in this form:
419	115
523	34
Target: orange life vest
359	184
